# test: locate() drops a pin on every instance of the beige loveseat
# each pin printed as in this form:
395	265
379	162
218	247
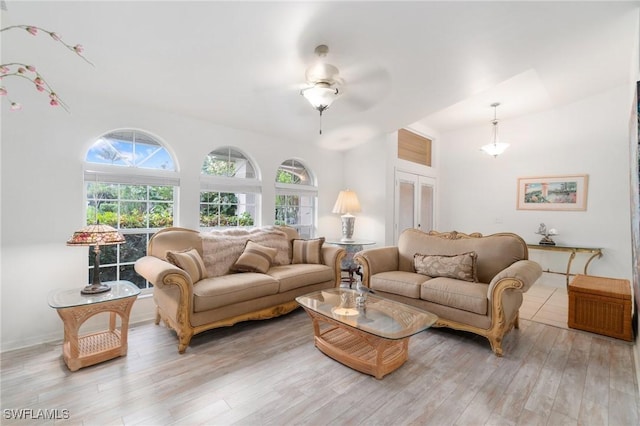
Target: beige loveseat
472	283
215	287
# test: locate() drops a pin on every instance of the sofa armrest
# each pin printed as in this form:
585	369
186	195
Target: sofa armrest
521	275
159	272
376	260
332	256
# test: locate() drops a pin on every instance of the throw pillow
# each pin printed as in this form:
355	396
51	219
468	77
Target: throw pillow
460	266
190	261
307	251
255	258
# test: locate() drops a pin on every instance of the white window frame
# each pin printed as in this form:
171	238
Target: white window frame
236	185
118	174
300	190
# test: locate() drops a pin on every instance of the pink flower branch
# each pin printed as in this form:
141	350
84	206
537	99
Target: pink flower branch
19	70
77	49
28	72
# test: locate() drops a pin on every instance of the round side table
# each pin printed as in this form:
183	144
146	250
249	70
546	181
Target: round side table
348	264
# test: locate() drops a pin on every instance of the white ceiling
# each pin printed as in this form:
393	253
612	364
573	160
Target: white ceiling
242	64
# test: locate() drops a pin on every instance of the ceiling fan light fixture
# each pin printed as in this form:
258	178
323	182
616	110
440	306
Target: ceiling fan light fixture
321	95
322	79
495	148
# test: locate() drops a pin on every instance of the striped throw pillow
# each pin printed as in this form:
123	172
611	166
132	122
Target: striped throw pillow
307	251
255	258
190	261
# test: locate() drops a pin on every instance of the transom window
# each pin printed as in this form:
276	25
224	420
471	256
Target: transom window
229	190
130	148
137	200
296	197
228	162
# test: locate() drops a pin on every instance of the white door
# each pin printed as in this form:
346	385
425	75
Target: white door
414	202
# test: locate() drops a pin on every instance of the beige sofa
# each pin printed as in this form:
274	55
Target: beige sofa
473	283
207	291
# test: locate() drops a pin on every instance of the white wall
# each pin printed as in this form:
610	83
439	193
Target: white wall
370	172
42	196
366	175
478	192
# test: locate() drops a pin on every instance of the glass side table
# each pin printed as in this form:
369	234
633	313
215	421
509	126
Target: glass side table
348	264
75	308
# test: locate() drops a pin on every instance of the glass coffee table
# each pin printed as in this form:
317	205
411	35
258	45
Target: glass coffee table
370	337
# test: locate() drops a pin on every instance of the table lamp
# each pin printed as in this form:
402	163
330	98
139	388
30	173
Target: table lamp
96	236
346	204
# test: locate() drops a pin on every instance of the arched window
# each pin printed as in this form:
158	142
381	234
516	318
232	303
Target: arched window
130	184
131	148
229	190
296	195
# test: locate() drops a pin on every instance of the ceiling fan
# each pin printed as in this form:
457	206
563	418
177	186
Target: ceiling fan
323	80
367	84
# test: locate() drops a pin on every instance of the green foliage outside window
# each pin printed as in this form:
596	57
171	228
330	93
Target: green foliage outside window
286	177
131	208
220	209
217	167
136	206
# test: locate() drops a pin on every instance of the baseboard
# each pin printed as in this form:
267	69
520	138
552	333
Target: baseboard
56	337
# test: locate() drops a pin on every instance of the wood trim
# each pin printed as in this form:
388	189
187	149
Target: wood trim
413	147
186	331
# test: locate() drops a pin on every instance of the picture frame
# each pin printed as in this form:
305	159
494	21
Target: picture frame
562	193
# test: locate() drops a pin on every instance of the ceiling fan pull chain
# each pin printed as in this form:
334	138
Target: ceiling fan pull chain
320	122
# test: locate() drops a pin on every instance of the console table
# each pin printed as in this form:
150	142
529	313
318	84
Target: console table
595	252
348	264
75	308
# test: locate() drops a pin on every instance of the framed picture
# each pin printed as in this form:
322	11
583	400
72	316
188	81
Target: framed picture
553	193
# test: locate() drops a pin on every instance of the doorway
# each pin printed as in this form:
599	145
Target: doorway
414	202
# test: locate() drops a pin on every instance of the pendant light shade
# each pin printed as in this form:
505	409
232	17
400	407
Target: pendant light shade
495	148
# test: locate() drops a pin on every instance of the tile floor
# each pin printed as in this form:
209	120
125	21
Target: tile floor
546	302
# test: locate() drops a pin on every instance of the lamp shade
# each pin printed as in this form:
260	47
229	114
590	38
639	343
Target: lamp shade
347	202
96	235
320	95
495	149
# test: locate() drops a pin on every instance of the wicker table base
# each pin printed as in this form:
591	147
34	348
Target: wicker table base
356	349
74	309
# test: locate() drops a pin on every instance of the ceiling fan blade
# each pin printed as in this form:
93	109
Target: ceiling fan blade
364	89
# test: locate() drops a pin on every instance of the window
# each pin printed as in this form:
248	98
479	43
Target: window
130	184
296	195
230	190
130	148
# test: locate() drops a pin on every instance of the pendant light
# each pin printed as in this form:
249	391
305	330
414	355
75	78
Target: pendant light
495	148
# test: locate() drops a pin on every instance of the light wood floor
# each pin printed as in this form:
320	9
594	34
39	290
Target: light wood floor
546	303
269	373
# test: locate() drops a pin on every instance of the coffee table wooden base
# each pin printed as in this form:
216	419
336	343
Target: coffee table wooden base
356	349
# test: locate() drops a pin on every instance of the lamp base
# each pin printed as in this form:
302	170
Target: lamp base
95	288
348	222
